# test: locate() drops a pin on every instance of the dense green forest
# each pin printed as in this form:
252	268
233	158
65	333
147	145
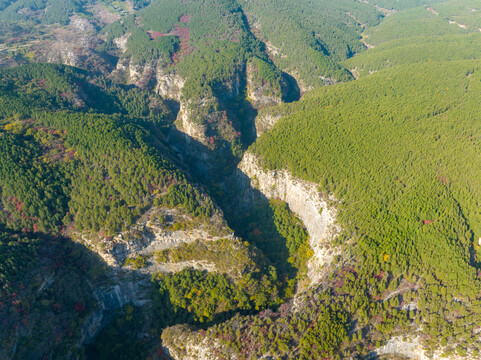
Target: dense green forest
102	165
311	37
398	148
102	170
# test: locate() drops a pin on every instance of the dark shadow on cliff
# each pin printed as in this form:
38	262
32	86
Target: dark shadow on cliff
247	211
246	114
51	293
251	215
174	107
292	92
59	297
207	165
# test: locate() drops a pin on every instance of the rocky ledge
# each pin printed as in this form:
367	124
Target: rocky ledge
303	198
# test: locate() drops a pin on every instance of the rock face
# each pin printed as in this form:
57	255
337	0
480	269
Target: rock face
397	347
265	122
148	237
121	42
190	119
303	199
261	94
186	349
169	85
72	45
128	289
140	74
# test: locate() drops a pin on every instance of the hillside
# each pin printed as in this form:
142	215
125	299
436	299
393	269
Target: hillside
231	179
79	158
87	160
397	149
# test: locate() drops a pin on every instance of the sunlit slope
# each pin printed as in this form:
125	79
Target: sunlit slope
416	51
450	17
400	150
309	38
76	154
442	32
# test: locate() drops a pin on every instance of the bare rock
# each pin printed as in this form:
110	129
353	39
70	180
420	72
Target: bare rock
305	200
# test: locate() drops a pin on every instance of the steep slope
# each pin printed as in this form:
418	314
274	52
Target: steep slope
86	160
307	39
83	158
397	148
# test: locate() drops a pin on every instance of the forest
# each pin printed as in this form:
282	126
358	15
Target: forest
128	229
390	160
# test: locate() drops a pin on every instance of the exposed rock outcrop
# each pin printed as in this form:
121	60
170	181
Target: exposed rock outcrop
179	266
402	348
73	45
265	121
192	118
169	85
303	88
261	93
128	289
149	236
183	348
411	348
121	42
303	198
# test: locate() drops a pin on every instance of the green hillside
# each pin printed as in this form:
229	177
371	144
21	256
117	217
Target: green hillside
311	37
398	148
101	169
382	118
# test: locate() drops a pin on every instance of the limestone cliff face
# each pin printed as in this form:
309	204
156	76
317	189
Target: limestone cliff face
230	88
411	348
264	122
198	115
204	135
121	42
302	86
127	289
147	237
261	94
182	347
304	199
150	75
130	71
169	85
138	72
190	119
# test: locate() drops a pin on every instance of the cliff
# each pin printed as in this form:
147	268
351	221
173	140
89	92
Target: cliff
303	198
150	235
